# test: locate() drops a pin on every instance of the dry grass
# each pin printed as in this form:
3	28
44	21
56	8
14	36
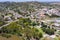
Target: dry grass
14	37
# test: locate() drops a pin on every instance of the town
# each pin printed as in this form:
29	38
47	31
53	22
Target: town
25	14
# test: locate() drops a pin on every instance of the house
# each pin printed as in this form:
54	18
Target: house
45	35
45	9
56	26
53	11
53	36
57	20
40	14
7	18
49	37
16	15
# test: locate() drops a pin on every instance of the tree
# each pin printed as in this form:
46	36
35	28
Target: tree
43	25
1	20
48	31
13	28
24	22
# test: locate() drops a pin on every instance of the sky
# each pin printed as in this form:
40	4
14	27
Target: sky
30	0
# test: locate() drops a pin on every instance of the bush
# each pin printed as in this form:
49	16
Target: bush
6	35
48	31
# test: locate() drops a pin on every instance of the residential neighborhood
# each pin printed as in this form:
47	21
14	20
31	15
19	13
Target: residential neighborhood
29	21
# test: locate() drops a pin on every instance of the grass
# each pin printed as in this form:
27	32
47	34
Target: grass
13	37
57	38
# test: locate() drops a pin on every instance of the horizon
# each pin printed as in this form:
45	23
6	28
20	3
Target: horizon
29	0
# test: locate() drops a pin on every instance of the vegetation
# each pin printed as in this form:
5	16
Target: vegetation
21	29
1	23
47	29
25	28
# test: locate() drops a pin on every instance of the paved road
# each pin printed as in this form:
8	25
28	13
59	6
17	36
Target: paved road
8	24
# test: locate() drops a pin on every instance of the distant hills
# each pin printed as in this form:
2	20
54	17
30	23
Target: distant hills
25	6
